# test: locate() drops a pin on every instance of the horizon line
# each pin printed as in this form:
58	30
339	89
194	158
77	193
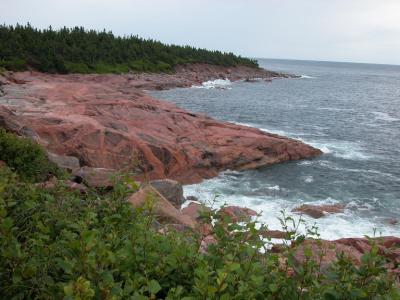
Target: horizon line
330	61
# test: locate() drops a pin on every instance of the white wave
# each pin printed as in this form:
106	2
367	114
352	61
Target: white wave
357	205
215	84
341	149
305	163
306	77
325	149
335	109
308	179
384	117
274	188
335	167
270	130
350	223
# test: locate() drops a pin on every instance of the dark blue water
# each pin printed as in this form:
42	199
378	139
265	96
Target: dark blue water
350	111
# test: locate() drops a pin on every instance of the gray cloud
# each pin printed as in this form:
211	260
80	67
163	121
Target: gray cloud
341	30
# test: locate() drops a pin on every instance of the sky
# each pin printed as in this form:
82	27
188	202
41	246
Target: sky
330	30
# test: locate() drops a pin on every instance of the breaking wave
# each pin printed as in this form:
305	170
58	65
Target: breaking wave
306	77
222	84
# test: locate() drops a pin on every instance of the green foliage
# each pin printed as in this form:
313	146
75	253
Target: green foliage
76	50
25	157
58	244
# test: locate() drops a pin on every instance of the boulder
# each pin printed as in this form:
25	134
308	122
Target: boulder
318	211
392	221
96	177
206	242
75	186
70	163
170	189
52	182
194	210
237	213
161	207
192	198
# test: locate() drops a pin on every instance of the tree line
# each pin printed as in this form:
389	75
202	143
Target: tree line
77	50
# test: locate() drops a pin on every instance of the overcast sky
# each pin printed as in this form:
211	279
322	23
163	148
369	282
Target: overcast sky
334	30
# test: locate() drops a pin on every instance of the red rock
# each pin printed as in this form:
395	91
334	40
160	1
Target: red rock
75	186
206	242
52	182
48	184
194	210
238	214
171	190
70	163
392	221
96	177
160	207
106	122
352	248
318	211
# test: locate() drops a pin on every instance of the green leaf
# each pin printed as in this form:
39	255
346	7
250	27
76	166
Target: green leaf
154	286
273	287
234	267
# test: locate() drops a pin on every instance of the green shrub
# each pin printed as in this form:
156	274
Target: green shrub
77	68
57	244
102	68
25	157
13	64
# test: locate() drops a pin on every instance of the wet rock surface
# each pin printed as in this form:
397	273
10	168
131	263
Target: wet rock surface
318	211
237	213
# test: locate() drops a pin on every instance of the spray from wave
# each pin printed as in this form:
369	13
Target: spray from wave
222	84
306	77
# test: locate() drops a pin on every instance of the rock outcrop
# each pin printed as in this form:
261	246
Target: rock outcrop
318	211
161	207
106	123
237	213
326	252
171	190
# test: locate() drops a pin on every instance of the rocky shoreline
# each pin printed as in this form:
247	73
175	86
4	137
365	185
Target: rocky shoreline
90	124
97	124
168	197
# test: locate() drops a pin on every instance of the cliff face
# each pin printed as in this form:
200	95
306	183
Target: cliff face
107	122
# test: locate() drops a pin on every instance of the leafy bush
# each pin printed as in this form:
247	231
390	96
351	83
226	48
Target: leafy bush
26	157
13	64
57	244
77	68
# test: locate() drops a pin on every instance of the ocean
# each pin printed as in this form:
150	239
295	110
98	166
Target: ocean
350	111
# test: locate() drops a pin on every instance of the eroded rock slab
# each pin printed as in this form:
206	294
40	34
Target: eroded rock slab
318	211
106	122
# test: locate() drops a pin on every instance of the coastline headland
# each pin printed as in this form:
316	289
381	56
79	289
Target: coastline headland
96	123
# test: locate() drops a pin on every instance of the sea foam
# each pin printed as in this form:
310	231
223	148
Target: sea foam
350	223
222	84
384	117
